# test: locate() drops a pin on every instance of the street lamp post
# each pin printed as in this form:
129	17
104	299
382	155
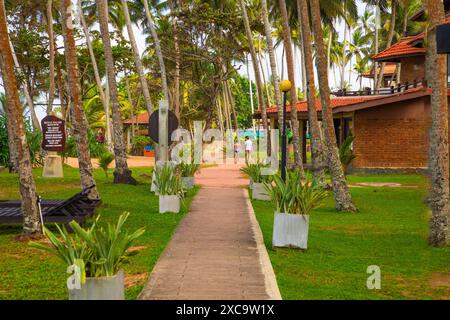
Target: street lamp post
285	87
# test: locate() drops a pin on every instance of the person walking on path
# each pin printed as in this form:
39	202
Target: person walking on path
248	149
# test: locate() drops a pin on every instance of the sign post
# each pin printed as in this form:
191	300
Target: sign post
53	141
163	131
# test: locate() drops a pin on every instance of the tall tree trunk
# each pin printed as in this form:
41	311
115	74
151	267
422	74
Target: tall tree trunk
137	58
436	74
344	62
61	92
130	101
154	34
259	87
13	156
121	173
51	41
176	95
377	25
343	199
316	141
30	210
78	117
98	80
273	64
389	42
290	68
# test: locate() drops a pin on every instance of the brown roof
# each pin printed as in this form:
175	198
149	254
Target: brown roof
389	70
141	118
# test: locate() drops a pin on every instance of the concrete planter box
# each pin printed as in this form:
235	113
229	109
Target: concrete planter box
259	192
169	204
103	288
188	182
290	230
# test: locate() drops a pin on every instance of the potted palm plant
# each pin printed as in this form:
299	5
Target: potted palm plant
188	171
294	199
95	256
167	181
257	181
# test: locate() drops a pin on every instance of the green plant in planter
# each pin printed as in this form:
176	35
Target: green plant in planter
167	180
346	154
105	160
188	169
253	171
98	251
295	196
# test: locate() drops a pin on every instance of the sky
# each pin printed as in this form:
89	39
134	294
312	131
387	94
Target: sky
248	72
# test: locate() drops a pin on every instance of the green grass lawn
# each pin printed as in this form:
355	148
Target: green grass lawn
389	231
29	273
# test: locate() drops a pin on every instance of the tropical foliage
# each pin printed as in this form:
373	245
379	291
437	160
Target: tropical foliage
167	180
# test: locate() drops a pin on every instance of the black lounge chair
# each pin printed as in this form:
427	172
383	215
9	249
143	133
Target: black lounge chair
78	208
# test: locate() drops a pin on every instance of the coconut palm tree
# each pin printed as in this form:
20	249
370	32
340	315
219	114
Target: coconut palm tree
51	47
78	117
316	141
137	57
259	86
343	199
290	68
31	217
121	173
436	74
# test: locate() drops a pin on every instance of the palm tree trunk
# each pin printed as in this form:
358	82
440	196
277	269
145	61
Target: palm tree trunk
154	34
78	117
31	216
316	141
290	68
121	173
389	42
344	63
273	64
137	58
343	199
51	41
375	64
176	78
13	156
98	80
259	87
436	74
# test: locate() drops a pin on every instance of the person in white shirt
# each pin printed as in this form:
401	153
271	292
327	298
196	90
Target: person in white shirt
248	149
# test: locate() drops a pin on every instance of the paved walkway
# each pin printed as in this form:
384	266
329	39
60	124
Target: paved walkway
217	251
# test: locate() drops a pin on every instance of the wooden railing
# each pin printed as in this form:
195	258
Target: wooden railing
384	91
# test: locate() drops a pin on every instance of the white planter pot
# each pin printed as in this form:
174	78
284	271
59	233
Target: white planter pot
104	288
188	182
290	230
169	204
259	192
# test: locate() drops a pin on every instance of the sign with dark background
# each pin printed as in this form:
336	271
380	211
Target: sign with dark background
53	134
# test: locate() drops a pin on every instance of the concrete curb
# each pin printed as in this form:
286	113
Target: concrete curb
270	280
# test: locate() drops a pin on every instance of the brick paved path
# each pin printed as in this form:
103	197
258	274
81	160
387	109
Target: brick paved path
217	250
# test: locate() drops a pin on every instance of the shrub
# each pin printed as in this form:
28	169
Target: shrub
98	251
253	171
295	196
105	160
4	146
167	180
96	149
346	154
188	169
138	144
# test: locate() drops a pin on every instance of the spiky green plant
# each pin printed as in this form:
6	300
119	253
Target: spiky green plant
105	160
346	154
168	180
97	251
188	169
253	171
295	196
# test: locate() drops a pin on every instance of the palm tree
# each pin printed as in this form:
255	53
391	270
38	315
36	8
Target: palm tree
290	68
343	199
173	4
436	74
154	35
316	141
273	64
98	80
31	217
121	173
51	47
137	58
259	86
78	117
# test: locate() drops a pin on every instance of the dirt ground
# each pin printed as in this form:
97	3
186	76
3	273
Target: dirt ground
133	162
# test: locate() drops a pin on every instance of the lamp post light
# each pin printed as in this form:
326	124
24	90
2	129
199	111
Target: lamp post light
285	87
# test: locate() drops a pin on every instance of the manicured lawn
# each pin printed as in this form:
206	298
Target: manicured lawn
389	231
28	273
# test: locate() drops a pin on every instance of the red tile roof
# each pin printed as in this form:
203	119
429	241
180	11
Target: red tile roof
141	118
406	46
302	106
389	70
